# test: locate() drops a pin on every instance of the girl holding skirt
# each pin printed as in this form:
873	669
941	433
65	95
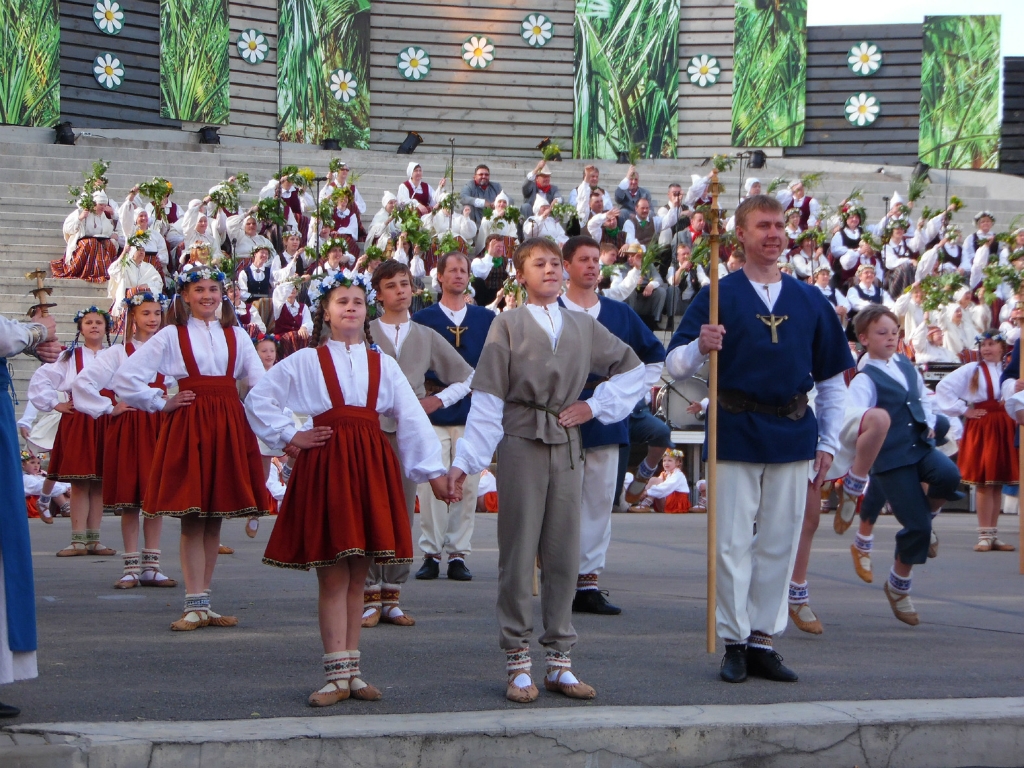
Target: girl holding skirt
206	464
344	505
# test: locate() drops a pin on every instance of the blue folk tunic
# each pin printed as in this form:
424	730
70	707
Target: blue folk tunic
811	347
625	323
477	323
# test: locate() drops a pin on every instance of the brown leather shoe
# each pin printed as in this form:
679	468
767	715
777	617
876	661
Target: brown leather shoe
225	550
578	690
847	511
74	549
124	583
216	620
1002	546
189	621
363	691
97	549
402	620
902	607
372	620
805	620
635	491
862	564
330	694
521	695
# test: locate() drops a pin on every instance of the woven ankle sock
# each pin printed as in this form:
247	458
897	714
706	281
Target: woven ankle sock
336	667
760	640
899	584
43	504
92	535
354	680
389	597
798	593
586	582
555	662
517	666
78	537
151	560
371	598
734	644
986	533
457	556
863	543
198	602
131	564
854	485
644	471
65	508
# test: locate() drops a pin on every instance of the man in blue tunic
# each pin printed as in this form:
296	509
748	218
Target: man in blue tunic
777	338
582	261
17	594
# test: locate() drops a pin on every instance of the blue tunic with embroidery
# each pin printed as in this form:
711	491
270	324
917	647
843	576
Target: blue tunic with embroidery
477	323
621	320
811	347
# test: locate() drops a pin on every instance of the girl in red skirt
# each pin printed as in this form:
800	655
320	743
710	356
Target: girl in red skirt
130	439
77	455
206	465
344	503
987	457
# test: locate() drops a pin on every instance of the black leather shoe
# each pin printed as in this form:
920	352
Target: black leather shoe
593	601
430	569
734	663
457	571
768	664
6	710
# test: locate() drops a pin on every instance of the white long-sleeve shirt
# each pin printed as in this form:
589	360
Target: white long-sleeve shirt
56	377
910	313
580	199
404	197
953	394
125	275
297	383
612	401
93	225
863	393
788	201
596	223
854	299
674	483
34	485
546	227
15	337
295	307
85	390
980	260
162	354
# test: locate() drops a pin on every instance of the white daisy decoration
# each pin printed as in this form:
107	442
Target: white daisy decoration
108	16
865	59
107	70
343	85
253	46
536	30
414	63
703	70
862	109
478	52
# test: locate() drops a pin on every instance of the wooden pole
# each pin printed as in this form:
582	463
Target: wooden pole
536	584
41	292
1020	507
712	473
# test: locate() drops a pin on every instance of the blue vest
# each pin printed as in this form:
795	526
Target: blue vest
477	323
626	324
906	442
258	288
811	347
19	589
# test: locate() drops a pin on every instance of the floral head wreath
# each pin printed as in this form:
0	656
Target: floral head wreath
673	453
92	310
202	272
292	233
334	242
990	335
27	456
897	223
264	337
982	214
346	278
792	212
807	234
849	210
199	245
142	297
953	231
139	239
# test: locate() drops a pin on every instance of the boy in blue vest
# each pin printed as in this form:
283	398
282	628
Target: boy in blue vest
446	526
908	457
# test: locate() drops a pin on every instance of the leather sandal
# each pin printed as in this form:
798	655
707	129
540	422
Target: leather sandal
189	621
252	527
401	620
363	691
635	491
216	620
97	549
804	619
902	607
862	564
46	517
165	583
371	619
330	694
128	581
577	690
1001	546
74	549
222	550
521	695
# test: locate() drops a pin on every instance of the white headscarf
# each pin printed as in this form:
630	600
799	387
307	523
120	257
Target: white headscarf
388	197
749	183
503	196
410	168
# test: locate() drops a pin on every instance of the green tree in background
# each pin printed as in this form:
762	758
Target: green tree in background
627	78
770	73
194	69
29	62
316	38
960	66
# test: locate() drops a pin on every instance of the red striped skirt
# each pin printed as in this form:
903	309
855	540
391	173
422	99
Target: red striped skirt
90	261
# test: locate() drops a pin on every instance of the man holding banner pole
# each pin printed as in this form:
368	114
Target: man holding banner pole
776	339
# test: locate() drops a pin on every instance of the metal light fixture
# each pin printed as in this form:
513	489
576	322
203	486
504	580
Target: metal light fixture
208	135
412	140
330	144
64	134
758	159
623	157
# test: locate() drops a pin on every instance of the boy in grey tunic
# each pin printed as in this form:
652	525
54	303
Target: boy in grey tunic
533	367
417	349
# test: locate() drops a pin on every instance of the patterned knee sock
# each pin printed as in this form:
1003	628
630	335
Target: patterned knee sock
131	564
762	641
586	582
798	594
555	662
336	670
517	666
863	543
371	600
899	584
645	471
854	485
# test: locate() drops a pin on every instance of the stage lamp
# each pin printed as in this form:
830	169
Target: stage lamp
208	135
412	140
920	170
758	159
64	134
623	157
330	144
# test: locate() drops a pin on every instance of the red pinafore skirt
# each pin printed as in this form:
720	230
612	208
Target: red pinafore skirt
987	454
78	446
206	459
345	498
130	443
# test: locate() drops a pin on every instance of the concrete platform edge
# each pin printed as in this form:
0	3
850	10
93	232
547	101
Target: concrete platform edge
948	733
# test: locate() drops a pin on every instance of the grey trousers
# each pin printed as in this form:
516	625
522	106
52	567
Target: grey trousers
540	496
394	575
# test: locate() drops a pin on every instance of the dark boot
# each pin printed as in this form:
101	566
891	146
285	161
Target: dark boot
593	601
768	664
430	569
734	663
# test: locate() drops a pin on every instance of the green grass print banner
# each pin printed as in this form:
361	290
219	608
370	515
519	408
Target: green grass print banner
194	70
770	73
29	62
323	71
627	78
960	66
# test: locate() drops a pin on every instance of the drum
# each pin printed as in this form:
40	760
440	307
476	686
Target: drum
676	396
